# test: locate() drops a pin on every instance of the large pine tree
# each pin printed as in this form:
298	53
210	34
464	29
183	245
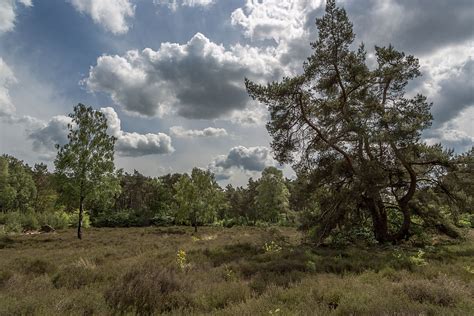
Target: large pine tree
353	130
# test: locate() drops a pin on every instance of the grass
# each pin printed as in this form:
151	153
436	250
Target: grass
228	271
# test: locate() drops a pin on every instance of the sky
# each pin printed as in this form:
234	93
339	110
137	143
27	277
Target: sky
169	74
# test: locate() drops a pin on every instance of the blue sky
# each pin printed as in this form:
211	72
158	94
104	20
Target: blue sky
169	73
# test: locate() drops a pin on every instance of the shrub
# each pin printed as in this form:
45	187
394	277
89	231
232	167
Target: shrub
145	290
13	222
124	218
29	221
425	291
58	219
220	295
4	277
33	266
181	259
75	276
5	241
272	247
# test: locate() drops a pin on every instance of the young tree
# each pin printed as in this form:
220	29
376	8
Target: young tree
272	196
83	163
198	198
353	130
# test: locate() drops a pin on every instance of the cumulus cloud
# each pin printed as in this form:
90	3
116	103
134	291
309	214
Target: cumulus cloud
55	131
197	80
175	4
110	14
414	26
288	23
256	115
8	13
7	108
450	137
251	159
180	132
7	78
456	92
279	20
52	133
135	144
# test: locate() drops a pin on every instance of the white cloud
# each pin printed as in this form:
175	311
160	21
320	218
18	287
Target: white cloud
457	133
280	20
241	158
180	132
7	78
128	144
256	115
175	4
8	13
289	23
135	144
110	14
199	79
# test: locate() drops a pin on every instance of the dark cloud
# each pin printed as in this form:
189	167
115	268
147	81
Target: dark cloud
51	134
198	80
415	26
450	138
456	93
250	159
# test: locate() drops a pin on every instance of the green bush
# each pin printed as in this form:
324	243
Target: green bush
13	222
16	222
57	220
74	219
127	218
29	221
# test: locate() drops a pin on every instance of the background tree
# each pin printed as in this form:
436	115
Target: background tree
46	196
352	131
17	188
87	158
7	192
271	201
198	198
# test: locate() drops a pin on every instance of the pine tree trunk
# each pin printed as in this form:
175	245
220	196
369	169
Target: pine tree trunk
404	231
379	220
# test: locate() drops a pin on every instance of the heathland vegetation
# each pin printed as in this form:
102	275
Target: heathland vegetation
375	222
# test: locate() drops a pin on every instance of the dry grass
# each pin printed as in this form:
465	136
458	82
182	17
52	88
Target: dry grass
228	271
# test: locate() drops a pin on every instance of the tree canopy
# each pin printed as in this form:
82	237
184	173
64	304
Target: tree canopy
353	131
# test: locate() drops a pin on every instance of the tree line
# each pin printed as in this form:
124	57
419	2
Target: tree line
122	199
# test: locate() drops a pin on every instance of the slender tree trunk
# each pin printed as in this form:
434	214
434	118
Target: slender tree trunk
79	224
